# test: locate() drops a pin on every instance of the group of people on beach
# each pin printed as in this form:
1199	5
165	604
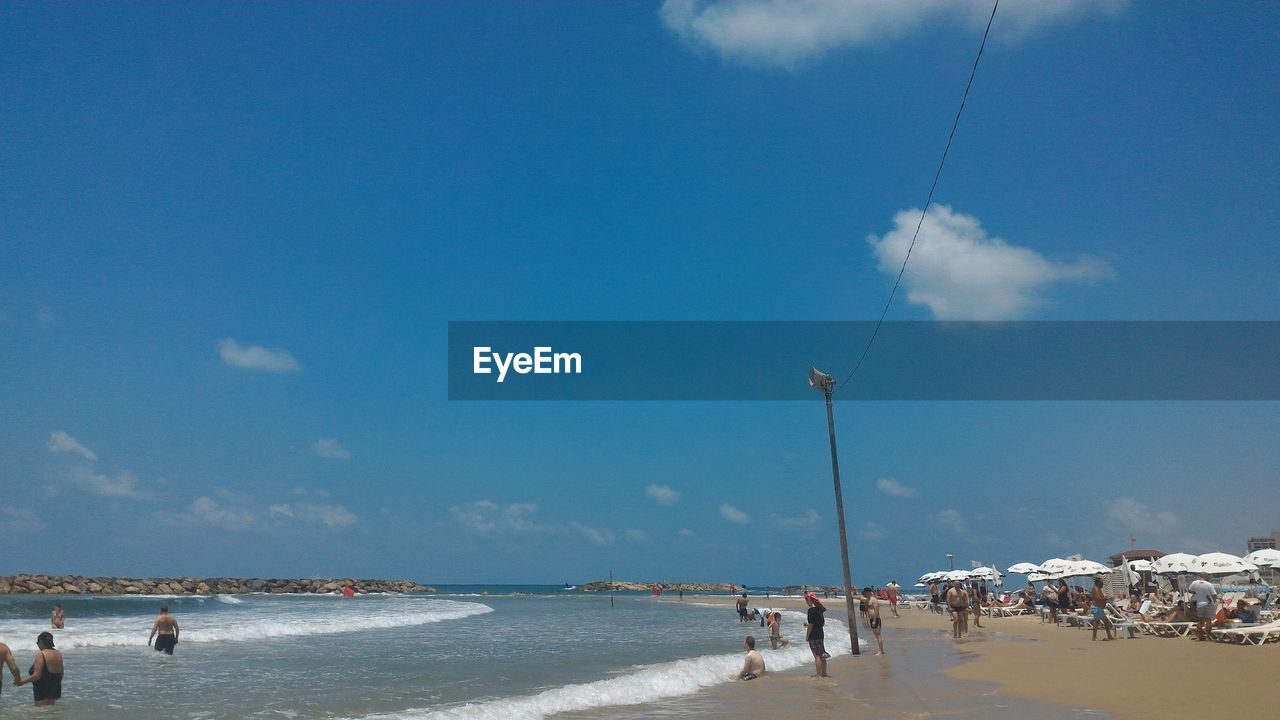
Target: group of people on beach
46	671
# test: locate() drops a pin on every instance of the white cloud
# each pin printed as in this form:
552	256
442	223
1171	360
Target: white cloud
484	516
662	494
871	532
785	32
635	535
733	514
331	449
686	533
256	357
124	485
516	515
952	520
61	442
892	487
207	511
599	537
1131	516
327	515
961	273
809	519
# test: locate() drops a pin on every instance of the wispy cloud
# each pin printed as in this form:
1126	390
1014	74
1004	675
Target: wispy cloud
787	32
961	273
1132	516
662	494
331	449
19	521
256	357
208	512
327	515
872	532
61	442
124	485
594	535
635	535
808	519
893	488
686	533
733	514
951	519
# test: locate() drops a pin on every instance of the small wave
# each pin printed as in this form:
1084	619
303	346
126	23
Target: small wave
230	600
643	684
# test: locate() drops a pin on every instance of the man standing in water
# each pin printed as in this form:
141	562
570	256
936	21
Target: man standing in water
57	618
742	608
6	657
873	616
813	633
164	632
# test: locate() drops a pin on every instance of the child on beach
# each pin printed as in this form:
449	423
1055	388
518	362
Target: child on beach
775	631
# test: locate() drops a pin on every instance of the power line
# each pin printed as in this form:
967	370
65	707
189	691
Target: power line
928	201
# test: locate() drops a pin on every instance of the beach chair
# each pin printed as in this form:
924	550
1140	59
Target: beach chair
1167	629
1120	622
1251	635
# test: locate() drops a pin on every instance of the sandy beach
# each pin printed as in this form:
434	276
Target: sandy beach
1009	667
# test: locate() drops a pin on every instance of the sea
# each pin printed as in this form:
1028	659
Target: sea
498	651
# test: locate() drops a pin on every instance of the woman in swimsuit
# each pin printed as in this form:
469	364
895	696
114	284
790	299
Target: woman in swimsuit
46	672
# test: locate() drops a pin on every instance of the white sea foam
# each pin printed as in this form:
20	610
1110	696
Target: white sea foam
644	684
230	600
118	631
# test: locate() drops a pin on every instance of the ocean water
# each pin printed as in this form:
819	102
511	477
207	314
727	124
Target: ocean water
468	652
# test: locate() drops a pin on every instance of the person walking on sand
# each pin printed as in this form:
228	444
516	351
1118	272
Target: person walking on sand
1206	600
1098	599
164	631
753	665
45	675
958	602
893	597
57	618
975	602
814	635
6	657
873	616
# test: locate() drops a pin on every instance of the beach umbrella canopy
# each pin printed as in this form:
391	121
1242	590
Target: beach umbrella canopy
1037	577
1172	564
1023	568
1082	568
985	573
920	584
1140	566
957	575
1220	563
1266	557
1052	566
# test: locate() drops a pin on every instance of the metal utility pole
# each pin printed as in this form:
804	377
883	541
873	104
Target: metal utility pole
826	383
951	561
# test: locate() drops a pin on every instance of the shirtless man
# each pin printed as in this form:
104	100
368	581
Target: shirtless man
57	618
753	666
892	587
6	657
742	608
958	602
873	616
167	628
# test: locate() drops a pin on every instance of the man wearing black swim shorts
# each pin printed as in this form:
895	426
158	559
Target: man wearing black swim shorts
872	613
165	632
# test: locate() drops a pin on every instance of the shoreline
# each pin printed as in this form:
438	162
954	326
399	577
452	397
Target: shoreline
26	584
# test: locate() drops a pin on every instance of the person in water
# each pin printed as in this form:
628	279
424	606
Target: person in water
775	631
6	657
57	618
742	608
164	631
814	635
45	675
872	613
753	666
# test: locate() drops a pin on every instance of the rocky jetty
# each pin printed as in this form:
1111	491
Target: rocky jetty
81	585
623	586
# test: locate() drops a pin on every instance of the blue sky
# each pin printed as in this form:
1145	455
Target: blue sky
231	237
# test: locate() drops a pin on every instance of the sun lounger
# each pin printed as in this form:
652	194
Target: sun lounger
1251	635
1167	629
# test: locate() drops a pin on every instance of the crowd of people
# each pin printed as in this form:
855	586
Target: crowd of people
46	671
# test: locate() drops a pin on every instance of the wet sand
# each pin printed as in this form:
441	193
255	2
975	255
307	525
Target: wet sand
1013	667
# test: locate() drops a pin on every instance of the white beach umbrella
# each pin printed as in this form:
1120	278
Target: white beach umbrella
1023	568
1220	563
957	575
1037	577
1172	564
1140	566
1082	568
920	584
985	573
1266	557
1052	566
